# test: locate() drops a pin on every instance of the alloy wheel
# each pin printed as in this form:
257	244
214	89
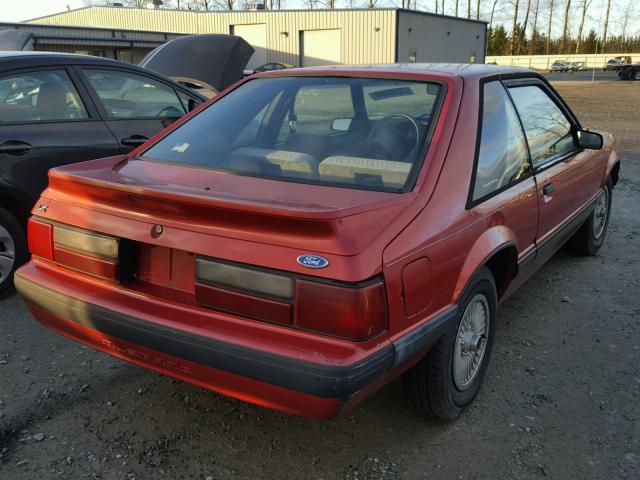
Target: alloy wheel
7	254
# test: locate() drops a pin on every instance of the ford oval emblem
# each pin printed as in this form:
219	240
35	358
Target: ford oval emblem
312	261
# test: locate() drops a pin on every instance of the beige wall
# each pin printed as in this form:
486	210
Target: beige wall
440	39
368	36
543	62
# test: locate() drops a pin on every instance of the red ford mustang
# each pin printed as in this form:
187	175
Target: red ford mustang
310	235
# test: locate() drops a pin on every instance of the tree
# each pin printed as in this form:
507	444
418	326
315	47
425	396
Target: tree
606	26
523	37
565	28
548	43
534	34
590	42
513	28
585	5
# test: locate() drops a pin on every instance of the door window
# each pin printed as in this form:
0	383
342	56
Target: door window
127	95
547	128
503	158
41	96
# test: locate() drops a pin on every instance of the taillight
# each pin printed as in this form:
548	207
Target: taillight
356	312
76	248
345	311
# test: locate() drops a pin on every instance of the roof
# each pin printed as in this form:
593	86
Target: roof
469	70
39	57
227	12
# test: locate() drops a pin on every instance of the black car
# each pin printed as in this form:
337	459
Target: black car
57	109
630	72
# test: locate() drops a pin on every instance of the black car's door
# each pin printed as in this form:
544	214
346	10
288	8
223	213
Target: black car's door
47	119
135	106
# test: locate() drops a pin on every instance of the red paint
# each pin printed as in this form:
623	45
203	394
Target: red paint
424	245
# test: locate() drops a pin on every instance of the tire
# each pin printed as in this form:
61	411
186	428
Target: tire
590	237
13	250
433	386
636	76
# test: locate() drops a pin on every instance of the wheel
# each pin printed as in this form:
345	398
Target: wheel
636	76
590	237
448	378
13	249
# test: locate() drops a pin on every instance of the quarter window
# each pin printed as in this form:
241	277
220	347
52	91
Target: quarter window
503	158
42	96
547	128
127	95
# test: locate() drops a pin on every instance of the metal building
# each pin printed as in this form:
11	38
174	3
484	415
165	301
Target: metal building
308	37
126	45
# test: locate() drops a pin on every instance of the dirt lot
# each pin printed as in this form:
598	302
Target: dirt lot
562	399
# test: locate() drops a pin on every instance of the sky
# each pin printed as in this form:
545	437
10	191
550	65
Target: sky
19	10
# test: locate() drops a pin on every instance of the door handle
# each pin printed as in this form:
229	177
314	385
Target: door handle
15	147
134	140
548	189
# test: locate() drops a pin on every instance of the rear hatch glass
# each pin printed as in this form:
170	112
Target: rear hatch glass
349	132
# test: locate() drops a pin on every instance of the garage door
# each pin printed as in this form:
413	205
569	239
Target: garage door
320	47
256	36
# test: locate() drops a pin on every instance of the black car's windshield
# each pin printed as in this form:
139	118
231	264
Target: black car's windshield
352	132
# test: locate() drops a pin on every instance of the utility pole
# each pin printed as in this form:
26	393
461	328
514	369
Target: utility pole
468	8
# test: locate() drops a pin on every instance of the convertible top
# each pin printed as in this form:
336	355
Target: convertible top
216	60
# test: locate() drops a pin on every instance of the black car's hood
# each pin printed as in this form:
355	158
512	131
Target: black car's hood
16	40
217	60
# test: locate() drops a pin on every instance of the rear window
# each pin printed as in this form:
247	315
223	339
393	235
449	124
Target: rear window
349	132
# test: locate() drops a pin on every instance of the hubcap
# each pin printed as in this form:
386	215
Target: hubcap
471	341
637	76
600	214
7	253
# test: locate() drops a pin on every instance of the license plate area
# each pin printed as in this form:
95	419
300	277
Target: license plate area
166	267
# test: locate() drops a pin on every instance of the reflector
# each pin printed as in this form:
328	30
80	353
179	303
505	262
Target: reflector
85	241
246	279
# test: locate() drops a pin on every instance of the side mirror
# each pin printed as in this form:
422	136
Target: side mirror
341	124
589	140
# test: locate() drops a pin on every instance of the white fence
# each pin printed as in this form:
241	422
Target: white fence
543	62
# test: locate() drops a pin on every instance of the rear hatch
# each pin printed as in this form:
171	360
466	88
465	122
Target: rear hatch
228	242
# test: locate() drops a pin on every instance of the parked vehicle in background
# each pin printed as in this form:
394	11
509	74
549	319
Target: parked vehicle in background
576	66
57	109
630	72
279	246
614	64
559	66
268	67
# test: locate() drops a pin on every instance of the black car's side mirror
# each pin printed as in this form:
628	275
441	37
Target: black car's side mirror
589	140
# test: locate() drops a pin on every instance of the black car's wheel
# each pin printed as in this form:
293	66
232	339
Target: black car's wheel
446	381
590	237
13	249
636	75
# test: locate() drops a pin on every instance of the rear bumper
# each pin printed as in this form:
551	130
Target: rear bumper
278	381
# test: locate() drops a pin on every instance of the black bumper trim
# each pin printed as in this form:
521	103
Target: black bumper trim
329	381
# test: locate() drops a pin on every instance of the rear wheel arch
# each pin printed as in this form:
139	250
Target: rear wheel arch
16	206
495	249
614	174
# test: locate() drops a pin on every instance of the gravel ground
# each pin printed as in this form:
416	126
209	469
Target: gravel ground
562	398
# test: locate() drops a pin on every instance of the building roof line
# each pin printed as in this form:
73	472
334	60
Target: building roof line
294	10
